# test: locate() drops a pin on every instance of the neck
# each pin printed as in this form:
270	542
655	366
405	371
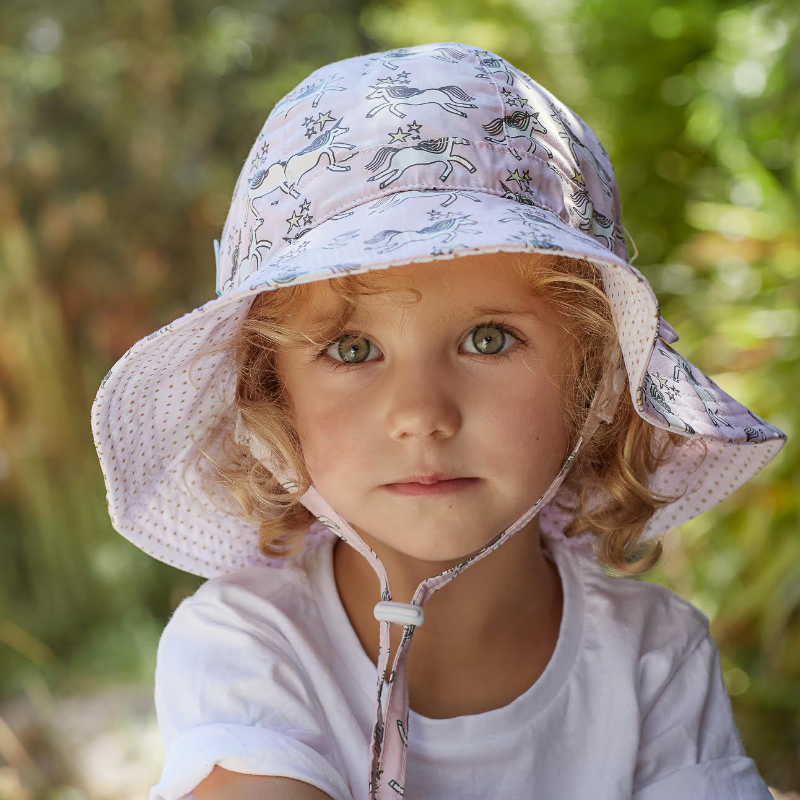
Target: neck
509	601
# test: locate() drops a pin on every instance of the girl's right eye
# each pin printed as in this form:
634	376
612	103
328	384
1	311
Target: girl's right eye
353	350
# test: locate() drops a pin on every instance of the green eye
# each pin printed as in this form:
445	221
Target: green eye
488	339
353	349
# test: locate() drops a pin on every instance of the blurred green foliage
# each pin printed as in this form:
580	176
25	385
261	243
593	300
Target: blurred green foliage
123	127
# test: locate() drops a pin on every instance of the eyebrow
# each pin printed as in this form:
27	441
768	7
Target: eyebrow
480	311
461	311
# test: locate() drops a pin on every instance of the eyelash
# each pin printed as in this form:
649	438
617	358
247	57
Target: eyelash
331	363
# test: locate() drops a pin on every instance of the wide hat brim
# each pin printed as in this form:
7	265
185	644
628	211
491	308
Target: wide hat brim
152	407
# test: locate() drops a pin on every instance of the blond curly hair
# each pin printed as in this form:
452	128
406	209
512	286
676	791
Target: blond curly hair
607	484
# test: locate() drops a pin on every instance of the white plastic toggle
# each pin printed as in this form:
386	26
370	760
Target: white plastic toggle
399	613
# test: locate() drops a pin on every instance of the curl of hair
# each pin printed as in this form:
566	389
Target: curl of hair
607	485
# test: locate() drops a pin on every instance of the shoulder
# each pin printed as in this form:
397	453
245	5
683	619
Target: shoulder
264	602
639	616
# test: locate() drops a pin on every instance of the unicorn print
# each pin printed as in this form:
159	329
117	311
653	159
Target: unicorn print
387	59
532	238
395	96
523	121
649	393
344	267
530	216
284	175
402	731
754	435
510	194
599	225
759	420
448	228
536	240
490	65
575	144
390	201
428	151
317	90
252	261
340	240
283	269
706	396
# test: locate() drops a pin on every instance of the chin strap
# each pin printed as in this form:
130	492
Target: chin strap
610	387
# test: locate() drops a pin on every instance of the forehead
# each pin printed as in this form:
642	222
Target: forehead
482	283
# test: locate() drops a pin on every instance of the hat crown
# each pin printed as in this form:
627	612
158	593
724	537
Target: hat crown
431	117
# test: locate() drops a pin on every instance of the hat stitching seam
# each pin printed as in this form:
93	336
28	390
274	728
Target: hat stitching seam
562	174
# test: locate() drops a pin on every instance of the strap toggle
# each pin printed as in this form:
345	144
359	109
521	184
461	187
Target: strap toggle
399	613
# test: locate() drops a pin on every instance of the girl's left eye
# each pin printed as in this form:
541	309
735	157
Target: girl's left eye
488	339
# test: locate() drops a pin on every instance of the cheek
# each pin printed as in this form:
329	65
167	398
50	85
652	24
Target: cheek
328	433
526	428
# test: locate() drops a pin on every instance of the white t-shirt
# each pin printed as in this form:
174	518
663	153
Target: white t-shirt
261	672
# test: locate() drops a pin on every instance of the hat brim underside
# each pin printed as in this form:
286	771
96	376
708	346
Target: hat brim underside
151	407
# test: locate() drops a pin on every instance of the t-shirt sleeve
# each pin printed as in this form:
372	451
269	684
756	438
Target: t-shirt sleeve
229	691
689	744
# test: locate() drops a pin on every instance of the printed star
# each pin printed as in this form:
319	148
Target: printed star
403	74
308	219
526	176
323	118
506	94
385	80
294	221
434	214
308	121
515	176
578	178
414	127
662	381
399	136
304	206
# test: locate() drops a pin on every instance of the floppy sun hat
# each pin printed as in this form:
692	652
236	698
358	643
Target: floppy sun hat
411	155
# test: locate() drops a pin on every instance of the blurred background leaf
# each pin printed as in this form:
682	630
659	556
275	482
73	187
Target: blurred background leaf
122	131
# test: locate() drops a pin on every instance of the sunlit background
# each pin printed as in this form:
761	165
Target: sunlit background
123	127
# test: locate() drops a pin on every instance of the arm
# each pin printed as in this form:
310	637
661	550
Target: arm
222	784
690	745
230	692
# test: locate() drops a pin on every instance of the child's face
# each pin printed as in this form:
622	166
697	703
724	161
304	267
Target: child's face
425	395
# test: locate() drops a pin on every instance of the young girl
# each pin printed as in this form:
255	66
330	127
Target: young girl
433	402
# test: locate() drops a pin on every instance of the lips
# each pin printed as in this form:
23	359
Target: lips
433	489
427	479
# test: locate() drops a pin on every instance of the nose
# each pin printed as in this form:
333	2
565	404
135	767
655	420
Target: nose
421	404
